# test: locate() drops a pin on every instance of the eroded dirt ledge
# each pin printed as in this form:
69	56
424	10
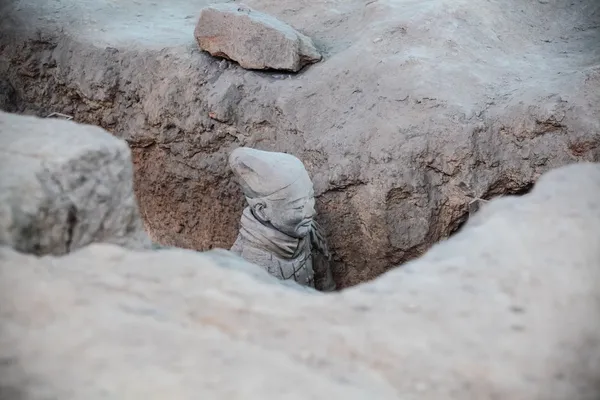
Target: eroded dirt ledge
418	107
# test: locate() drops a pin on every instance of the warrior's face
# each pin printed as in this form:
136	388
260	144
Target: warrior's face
277	188
288	212
293	216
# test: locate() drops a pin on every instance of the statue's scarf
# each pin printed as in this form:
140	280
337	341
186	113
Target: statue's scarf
270	239
278	243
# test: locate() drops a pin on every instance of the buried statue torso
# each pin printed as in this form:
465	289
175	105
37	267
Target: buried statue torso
283	256
277	229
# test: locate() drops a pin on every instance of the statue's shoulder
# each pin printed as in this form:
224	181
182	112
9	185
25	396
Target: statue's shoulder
251	252
260	257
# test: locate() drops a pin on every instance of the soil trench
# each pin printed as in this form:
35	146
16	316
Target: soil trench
417	109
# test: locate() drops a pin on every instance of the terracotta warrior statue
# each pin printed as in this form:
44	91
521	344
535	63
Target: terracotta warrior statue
278	230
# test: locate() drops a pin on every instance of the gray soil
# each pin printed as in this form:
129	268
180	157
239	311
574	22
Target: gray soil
418	107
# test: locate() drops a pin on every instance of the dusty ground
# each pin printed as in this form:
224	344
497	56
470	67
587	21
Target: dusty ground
418	107
505	309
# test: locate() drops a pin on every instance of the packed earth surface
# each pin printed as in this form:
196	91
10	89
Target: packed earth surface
507	308
417	108
473	124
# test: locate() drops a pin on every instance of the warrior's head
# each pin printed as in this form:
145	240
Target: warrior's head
277	188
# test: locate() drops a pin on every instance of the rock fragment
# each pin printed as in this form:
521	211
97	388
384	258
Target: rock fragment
64	185
253	39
